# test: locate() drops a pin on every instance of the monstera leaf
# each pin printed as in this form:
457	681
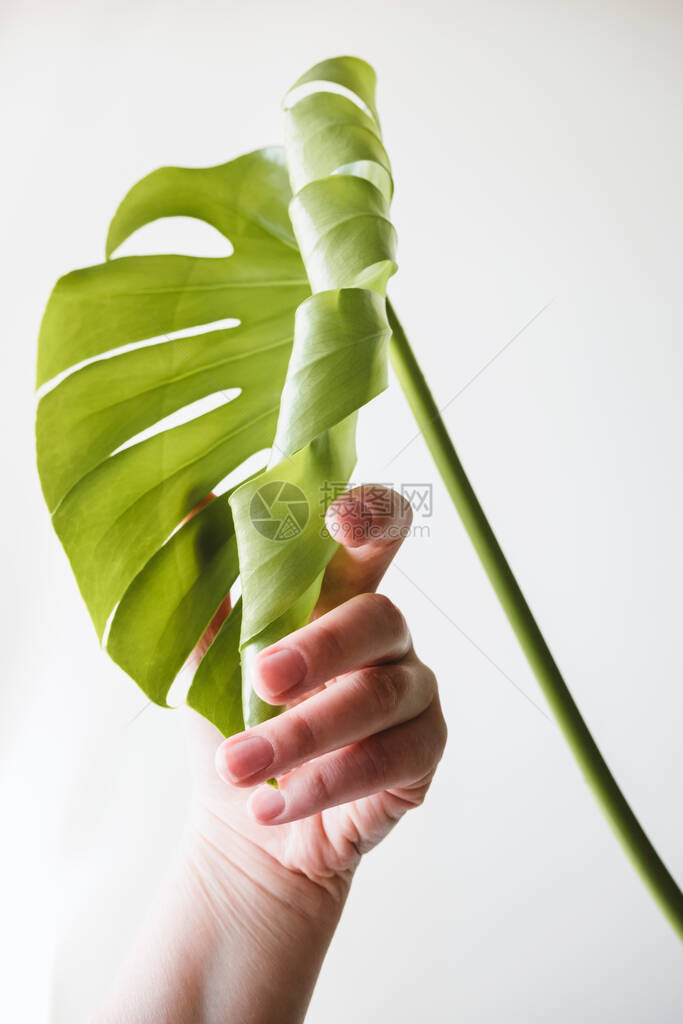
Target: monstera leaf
304	290
303	365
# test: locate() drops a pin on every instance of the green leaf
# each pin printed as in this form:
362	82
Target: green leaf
215	691
305	286
167	606
117	510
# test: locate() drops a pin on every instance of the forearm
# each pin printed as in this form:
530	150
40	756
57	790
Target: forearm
235	937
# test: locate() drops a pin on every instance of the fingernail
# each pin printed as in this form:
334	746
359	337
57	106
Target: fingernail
280	670
247	755
266	803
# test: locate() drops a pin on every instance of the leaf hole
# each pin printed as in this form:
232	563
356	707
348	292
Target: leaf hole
187	332
195	410
184	236
253	464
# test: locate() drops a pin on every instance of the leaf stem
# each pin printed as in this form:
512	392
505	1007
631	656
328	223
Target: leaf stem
598	776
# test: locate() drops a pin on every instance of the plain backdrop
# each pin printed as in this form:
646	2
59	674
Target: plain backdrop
538	156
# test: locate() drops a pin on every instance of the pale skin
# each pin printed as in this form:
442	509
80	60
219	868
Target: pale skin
252	900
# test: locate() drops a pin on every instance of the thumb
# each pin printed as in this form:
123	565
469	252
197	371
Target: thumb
370	523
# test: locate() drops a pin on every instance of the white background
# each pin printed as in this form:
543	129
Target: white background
538	155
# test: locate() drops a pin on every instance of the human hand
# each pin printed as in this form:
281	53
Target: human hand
244	920
362	733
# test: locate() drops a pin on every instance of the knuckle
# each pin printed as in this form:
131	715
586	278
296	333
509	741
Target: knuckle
441	738
372	763
419	794
319	789
329	644
301	739
383	686
384	610
424	756
438	738
431	680
429	747
427	683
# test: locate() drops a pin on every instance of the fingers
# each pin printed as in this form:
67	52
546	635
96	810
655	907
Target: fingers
366	630
380	727
370	523
365	702
401	760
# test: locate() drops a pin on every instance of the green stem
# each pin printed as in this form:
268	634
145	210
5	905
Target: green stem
614	805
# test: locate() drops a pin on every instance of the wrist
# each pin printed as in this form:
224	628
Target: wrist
234	866
259	931
234	937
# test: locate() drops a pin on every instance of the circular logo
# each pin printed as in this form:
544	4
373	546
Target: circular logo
279	510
